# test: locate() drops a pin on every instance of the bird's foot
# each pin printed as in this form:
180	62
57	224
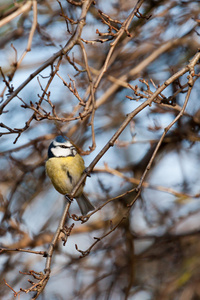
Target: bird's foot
68	198
87	172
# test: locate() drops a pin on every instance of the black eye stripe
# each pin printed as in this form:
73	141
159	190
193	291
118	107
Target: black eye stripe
63	146
67	147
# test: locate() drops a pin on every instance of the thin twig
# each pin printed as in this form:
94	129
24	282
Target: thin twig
92	93
123	28
2	250
129	117
69	45
145	184
190	68
34	25
24	8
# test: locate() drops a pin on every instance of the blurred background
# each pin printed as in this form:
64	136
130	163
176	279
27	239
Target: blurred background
154	251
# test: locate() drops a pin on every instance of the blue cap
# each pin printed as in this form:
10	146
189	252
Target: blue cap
61	139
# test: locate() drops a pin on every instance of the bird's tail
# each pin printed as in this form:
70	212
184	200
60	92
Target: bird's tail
84	204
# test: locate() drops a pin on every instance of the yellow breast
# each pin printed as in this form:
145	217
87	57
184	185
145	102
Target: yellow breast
65	172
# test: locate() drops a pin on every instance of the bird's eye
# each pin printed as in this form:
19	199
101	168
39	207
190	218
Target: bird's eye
63	146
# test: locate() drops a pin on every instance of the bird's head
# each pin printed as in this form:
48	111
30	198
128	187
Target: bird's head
61	147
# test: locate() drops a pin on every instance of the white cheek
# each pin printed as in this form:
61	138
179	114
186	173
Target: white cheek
57	144
61	152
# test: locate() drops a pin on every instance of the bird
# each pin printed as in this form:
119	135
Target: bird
65	167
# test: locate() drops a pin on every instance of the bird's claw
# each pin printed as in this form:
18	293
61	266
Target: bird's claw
68	198
87	172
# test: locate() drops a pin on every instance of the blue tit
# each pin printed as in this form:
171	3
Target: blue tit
65	167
